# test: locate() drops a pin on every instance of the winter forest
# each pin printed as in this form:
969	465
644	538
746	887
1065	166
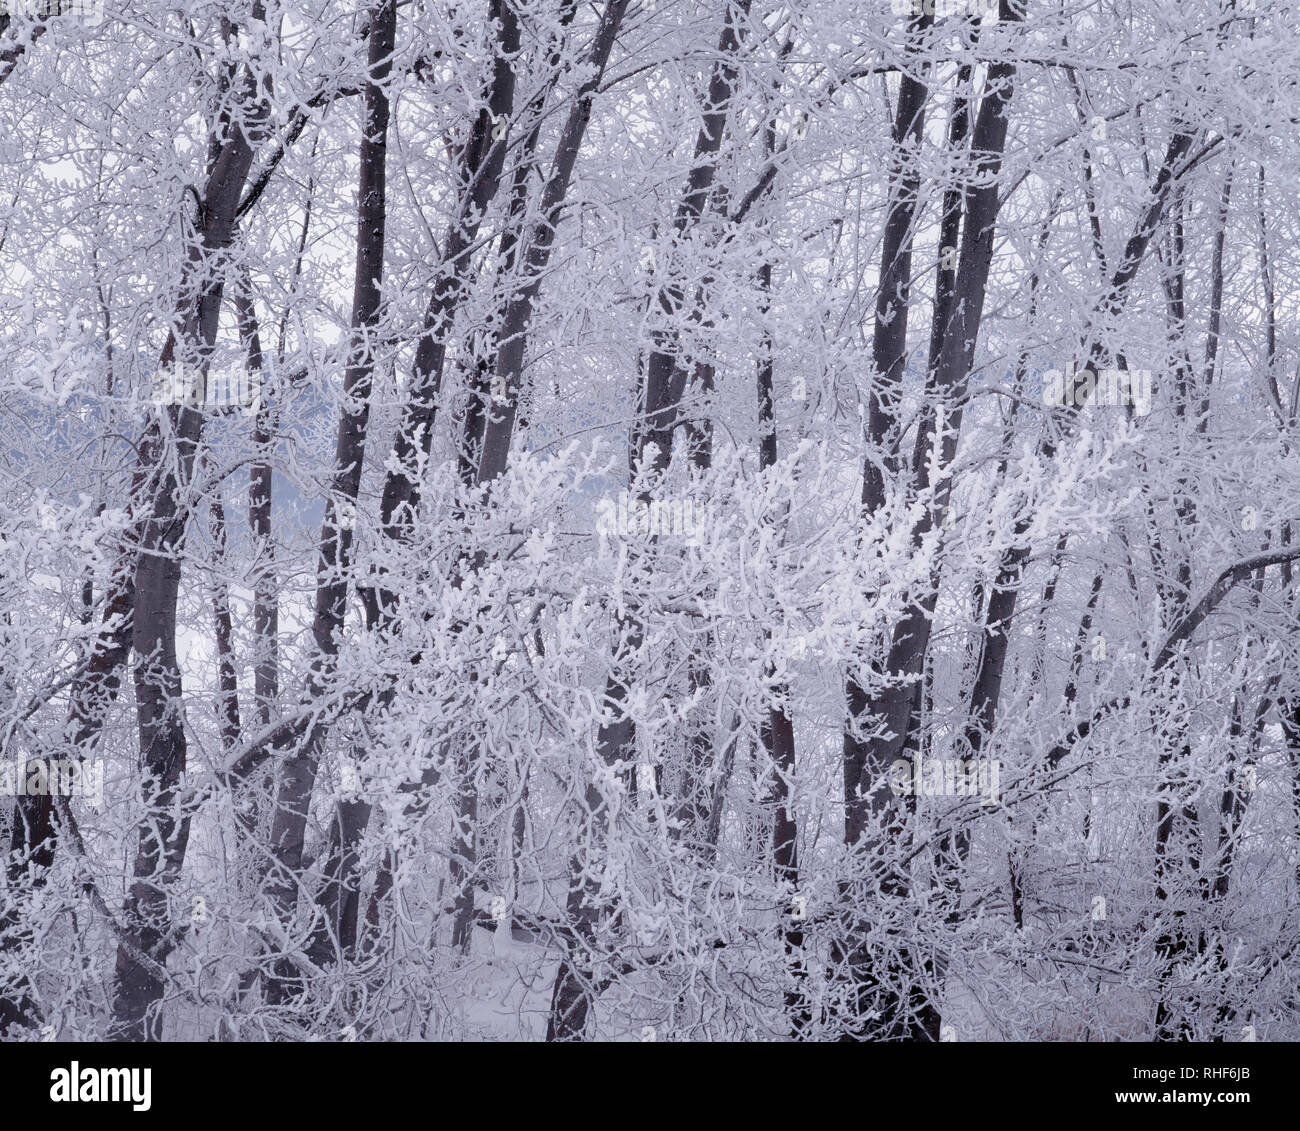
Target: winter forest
650	520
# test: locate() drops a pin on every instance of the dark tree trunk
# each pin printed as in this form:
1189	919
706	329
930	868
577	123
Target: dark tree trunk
299	772
660	395
162	837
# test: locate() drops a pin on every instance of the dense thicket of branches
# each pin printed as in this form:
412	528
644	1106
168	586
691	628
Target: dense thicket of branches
738	520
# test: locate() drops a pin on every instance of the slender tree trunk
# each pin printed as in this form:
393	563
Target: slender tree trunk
481	164
650	451
224	636
298	776
266	603
162	837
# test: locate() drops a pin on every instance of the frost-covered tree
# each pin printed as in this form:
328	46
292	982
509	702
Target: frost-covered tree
649	520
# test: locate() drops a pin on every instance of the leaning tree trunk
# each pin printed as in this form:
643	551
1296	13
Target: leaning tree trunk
892	989
162	837
480	166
